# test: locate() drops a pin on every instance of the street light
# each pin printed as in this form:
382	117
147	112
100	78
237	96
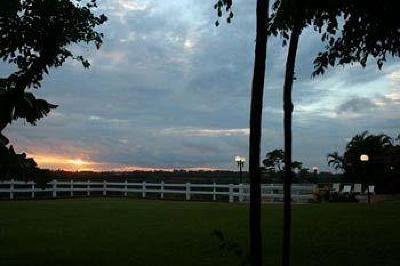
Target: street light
365	158
315	170
240	162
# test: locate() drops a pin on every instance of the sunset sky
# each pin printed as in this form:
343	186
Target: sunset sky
170	90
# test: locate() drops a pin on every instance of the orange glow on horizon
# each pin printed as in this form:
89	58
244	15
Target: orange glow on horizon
61	162
54	161
78	162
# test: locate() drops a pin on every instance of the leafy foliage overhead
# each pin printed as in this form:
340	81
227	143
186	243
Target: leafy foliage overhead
370	29
351	30
28	107
222	6
36	35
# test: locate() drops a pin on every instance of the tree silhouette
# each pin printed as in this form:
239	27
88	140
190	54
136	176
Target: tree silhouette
36	35
283	26
375	146
367	31
256	105
295	13
274	160
274	166
370	30
335	160
383	165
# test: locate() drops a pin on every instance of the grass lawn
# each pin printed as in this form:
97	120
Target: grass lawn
117	231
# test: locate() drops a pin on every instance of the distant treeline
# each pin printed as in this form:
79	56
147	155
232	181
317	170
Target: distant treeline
201	176
157	175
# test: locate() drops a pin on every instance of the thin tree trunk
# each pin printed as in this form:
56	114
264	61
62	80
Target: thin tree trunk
288	109
256	105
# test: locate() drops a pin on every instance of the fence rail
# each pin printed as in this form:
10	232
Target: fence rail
270	192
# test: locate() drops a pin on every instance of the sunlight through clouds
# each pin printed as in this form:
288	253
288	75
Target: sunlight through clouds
188	44
169	89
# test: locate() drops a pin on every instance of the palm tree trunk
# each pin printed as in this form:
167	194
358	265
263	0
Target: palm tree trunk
288	109
256	105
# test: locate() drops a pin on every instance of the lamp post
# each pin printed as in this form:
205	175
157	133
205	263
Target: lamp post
315	170
240	162
365	158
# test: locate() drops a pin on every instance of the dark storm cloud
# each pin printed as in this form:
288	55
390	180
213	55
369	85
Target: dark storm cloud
356	105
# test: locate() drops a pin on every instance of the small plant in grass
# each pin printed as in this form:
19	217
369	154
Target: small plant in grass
228	246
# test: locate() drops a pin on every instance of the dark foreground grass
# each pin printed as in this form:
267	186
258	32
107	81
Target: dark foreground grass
138	232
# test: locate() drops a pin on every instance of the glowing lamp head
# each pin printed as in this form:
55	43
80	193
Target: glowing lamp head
364	158
238	159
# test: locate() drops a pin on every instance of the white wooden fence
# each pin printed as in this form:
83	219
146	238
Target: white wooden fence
270	192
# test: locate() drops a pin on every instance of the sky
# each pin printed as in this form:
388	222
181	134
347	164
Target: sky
169	89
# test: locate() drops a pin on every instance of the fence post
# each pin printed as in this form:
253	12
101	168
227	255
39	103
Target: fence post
240	192
104	188
187	191
54	188
33	189
162	189
230	192
12	189
71	187
214	192
88	188
315	191
144	189
126	188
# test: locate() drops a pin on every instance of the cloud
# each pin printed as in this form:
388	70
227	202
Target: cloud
122	8
356	105
115	56
382	105
394	76
169	89
205	132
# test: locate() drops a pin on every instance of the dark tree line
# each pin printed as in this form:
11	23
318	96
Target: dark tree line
194	176
382	168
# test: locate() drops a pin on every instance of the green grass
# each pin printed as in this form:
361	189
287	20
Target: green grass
117	232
